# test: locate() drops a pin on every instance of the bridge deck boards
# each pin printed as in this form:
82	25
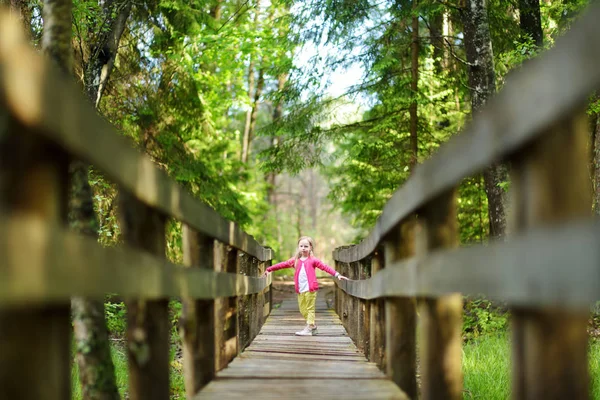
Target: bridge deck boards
280	365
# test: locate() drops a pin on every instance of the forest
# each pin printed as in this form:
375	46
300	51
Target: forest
290	118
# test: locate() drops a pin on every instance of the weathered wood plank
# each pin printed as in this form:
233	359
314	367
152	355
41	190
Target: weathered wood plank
400	316
511	119
550	347
441	333
35	340
507	271
286	388
198	317
57	255
42	98
287	366
147	320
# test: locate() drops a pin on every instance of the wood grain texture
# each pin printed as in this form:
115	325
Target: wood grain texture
54	270
35	340
400	315
509	271
147	320
441	329
549	347
278	364
197	324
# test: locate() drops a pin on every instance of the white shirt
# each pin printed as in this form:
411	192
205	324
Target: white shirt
302	279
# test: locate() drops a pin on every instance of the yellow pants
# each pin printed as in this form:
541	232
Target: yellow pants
306	302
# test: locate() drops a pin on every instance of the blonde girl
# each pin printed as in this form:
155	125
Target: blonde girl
305	280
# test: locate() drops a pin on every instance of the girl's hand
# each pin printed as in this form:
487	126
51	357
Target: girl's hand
340	277
265	274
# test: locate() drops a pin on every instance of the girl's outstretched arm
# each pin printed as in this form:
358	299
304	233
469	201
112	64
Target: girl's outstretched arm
322	266
284	264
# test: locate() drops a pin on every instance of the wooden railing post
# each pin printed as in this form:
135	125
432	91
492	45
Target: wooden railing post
198	317
147	320
400	316
377	318
357	305
550	346
220	309
232	323
365	308
267	293
257	302
441	318
35	341
244	304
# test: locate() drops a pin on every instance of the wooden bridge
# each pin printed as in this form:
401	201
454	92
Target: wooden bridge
547	271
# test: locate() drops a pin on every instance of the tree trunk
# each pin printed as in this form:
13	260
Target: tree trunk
254	114
96	370
414	87
251	95
436	28
482	80
531	21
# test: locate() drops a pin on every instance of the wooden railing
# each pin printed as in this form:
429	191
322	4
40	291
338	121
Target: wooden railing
44	122
547	270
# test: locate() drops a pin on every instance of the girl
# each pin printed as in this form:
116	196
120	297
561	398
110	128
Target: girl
305	280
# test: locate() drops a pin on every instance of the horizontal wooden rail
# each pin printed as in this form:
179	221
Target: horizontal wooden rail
42	262
551	268
43	99
516	115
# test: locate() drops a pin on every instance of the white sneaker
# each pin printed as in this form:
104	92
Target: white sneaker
305	332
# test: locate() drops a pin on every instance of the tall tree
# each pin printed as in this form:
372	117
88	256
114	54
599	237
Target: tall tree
414	87
530	21
96	370
482	82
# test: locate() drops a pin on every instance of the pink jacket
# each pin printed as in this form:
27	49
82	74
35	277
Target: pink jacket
309	266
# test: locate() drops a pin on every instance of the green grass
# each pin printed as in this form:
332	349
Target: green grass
486	367
119	357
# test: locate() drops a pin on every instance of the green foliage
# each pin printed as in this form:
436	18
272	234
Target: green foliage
116	321
105	206
175	310
486	368
482	317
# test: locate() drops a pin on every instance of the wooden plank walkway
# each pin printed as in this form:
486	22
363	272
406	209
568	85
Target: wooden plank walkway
280	365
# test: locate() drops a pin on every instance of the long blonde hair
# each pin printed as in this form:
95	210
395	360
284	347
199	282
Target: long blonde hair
298	253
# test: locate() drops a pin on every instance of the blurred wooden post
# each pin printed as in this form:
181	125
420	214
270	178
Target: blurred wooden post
268	293
377	318
220	309
346	302
256	302
243	305
551	185
147	320
358	308
35	341
400	316
232	326
338	292
365	309
198	317
441	331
